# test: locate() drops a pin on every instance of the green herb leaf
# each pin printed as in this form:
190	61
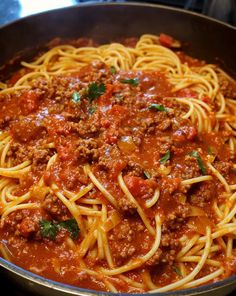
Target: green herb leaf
113	70
199	161
166	157
76	97
210	151
177	270
158	107
147	175
72	226
95	90
194	154
201	166
48	229
132	81
92	109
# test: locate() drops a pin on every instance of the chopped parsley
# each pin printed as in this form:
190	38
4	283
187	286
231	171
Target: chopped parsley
92	109
113	70
210	150
131	81
95	90
158	107
50	229
76	97
177	270
72	226
165	158
201	165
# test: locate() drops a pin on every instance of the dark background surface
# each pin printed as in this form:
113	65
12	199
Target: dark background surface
10	10
9	288
224	10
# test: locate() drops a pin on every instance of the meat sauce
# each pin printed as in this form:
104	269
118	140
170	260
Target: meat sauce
118	131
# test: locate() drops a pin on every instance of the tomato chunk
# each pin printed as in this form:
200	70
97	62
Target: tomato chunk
185	133
139	187
187	93
105	99
166	40
29	102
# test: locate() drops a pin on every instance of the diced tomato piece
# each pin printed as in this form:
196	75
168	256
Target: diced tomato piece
114	117
111	139
117	113
47	177
64	152
191	132
185	133
117	167
187	93
26	130
166	40
58	126
17	75
118	110
29	102
105	98
179	136
170	184
206	99
139	187
28	226
105	122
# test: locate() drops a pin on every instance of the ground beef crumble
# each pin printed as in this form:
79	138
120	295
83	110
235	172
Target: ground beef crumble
89	130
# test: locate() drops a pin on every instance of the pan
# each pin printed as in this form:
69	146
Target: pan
202	37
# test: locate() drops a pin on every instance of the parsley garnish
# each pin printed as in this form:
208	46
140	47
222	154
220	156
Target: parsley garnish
132	81
92	109
49	229
177	270
210	150
166	157
158	107
76	97
113	70
72	226
201	165
95	90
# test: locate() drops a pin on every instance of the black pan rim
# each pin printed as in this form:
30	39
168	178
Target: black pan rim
152	5
81	291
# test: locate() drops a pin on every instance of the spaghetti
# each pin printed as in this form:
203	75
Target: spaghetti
117	167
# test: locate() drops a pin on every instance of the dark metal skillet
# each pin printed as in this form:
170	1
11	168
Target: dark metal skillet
202	37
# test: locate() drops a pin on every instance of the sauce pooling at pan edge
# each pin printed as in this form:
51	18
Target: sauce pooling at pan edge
117	167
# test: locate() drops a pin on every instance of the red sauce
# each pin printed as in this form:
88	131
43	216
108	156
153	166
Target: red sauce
116	132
